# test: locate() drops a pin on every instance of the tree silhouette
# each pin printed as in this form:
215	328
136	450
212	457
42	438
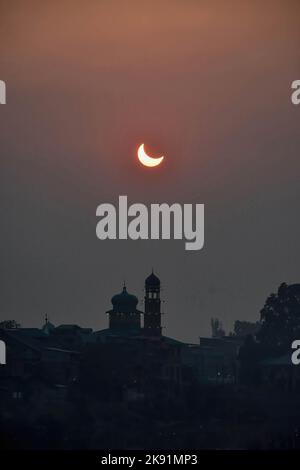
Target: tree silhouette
9	324
280	319
245	328
217	330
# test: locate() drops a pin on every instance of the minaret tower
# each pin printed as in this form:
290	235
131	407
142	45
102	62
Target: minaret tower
152	315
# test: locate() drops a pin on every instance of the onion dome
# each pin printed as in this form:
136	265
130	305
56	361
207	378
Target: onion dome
152	281
124	302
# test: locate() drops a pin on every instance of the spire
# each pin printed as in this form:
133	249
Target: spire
48	326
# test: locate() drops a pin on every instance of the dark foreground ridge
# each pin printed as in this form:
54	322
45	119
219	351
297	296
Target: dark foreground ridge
131	387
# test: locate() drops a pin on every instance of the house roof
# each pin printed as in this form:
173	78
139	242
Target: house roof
278	361
35	342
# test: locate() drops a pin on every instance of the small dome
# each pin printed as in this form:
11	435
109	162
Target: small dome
124	302
48	327
152	281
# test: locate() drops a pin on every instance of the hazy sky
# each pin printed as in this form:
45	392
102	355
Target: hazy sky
207	84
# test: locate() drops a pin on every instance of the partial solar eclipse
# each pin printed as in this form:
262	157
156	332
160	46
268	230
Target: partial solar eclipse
146	159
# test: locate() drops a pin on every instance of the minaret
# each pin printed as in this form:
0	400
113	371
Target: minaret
152	315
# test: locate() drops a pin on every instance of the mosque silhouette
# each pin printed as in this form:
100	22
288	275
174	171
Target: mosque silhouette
126	319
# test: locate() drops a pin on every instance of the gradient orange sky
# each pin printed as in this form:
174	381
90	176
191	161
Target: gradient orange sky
205	83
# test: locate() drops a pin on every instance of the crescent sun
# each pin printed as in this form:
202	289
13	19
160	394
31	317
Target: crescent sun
146	159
